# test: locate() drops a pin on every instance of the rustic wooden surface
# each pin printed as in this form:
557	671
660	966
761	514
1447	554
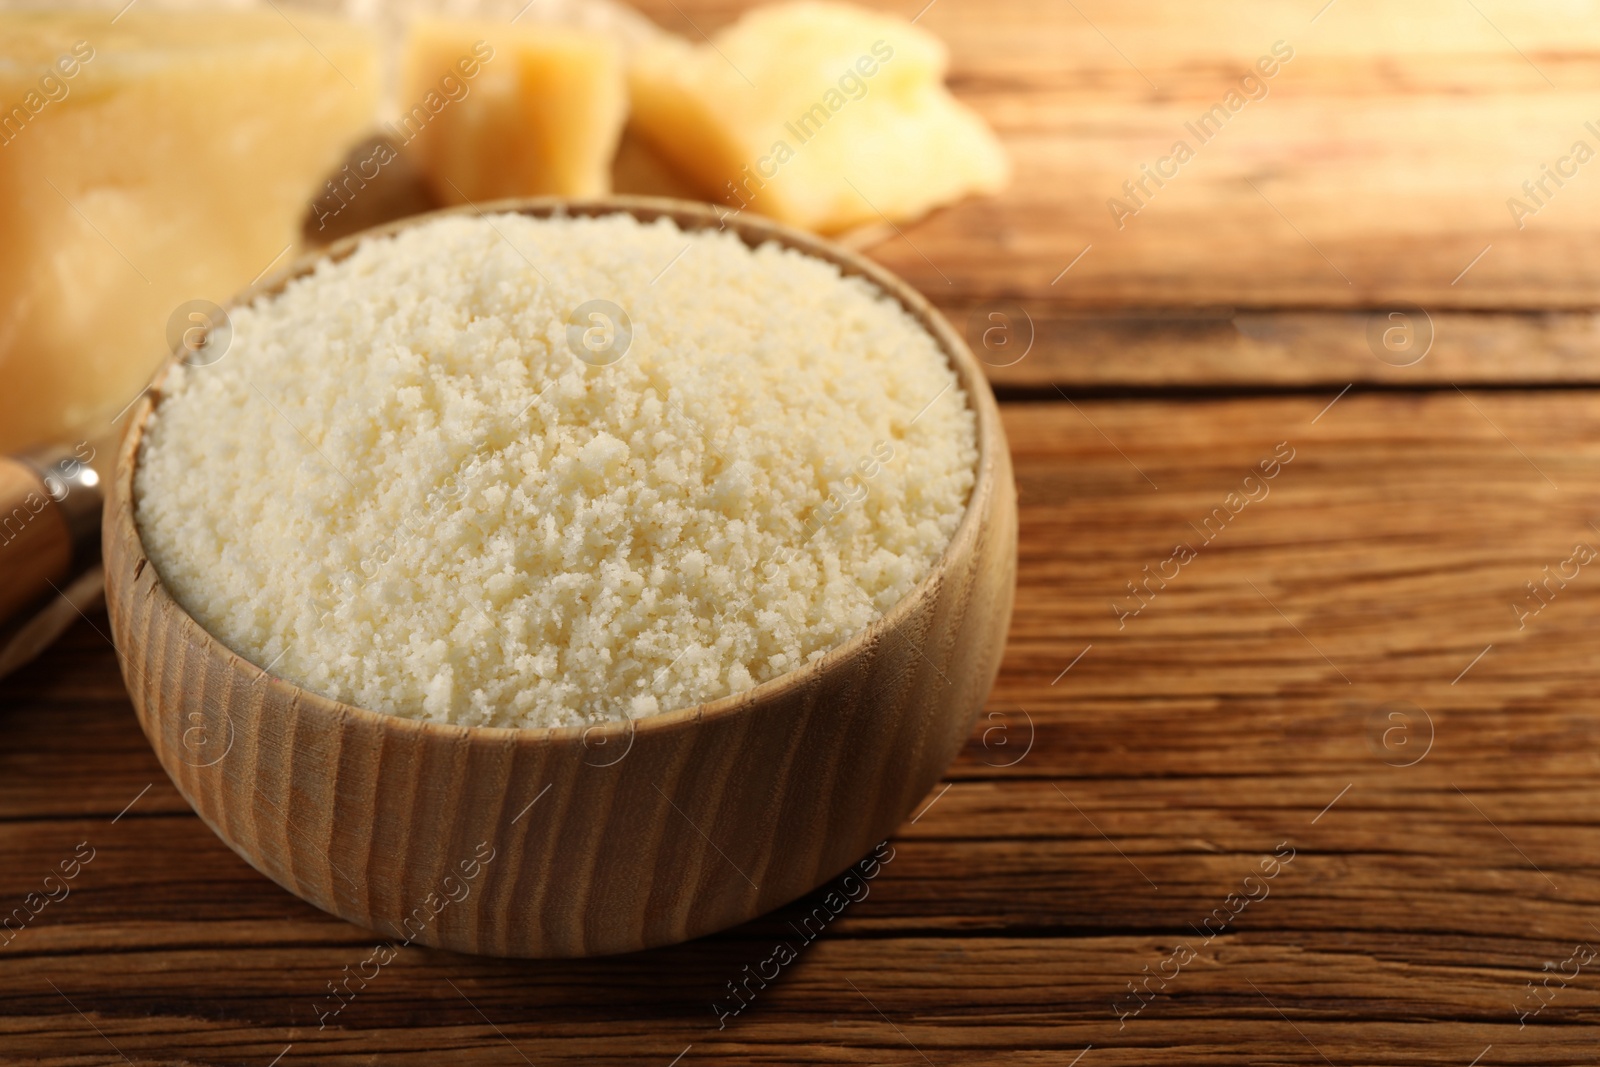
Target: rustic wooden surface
1341	671
1179	750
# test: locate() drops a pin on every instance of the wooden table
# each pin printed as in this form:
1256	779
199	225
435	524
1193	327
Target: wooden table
1323	790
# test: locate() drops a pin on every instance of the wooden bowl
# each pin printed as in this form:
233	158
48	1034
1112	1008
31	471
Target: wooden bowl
572	841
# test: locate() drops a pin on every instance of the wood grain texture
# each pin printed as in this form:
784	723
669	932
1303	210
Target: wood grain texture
1375	174
1039	345
1189	742
1182	748
1376	169
653	831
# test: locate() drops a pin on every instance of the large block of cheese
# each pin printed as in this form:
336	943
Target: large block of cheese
491	110
818	114
145	163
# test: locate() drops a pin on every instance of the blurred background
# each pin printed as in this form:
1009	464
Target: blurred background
1350	241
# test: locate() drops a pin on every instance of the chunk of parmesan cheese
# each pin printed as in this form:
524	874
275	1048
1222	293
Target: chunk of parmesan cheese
493	110
820	114
145	163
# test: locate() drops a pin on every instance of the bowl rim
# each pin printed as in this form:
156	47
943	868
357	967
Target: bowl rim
753	230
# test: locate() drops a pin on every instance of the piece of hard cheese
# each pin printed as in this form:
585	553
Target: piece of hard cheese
819	114
145	163
490	110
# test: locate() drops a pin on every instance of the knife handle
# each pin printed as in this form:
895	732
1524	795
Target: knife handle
50	504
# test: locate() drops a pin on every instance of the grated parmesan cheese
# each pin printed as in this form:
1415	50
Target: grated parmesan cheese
403	488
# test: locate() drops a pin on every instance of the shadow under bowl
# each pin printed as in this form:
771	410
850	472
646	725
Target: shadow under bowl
580	841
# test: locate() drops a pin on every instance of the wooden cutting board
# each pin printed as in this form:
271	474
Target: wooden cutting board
1288	769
